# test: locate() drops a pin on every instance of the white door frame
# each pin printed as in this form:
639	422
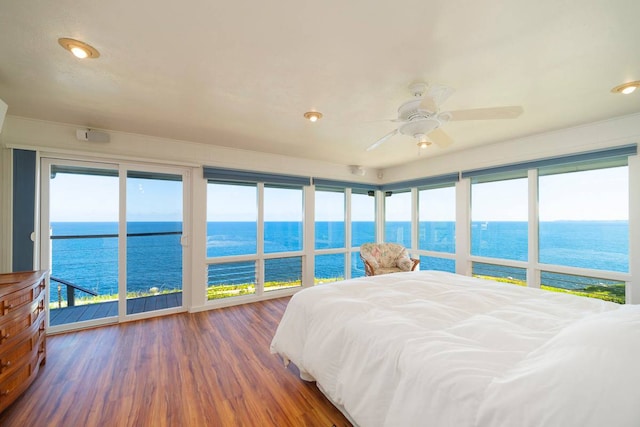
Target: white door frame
44	248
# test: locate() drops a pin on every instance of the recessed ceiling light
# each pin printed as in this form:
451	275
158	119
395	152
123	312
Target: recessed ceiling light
79	49
312	116
424	144
626	88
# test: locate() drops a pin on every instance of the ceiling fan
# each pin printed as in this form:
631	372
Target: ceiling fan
421	116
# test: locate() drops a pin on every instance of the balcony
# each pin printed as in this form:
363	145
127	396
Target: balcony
85	273
99	310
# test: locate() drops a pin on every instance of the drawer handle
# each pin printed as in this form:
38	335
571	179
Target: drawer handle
4	337
5	392
5	365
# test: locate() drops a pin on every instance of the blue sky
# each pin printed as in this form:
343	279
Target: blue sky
592	195
95	198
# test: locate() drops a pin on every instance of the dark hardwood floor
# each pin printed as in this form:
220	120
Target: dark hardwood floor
204	369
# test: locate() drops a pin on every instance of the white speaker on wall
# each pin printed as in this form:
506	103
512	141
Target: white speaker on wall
92	135
3	112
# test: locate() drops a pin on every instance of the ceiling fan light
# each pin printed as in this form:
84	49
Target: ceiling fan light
421	137
626	88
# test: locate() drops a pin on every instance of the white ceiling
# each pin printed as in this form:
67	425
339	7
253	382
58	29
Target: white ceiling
242	73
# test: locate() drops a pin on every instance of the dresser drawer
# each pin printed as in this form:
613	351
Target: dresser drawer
14	384
20	354
13	326
15	300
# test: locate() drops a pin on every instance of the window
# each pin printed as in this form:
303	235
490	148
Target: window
500	273
329	268
283	214
83	215
363	219
329	219
231	231
437	219
154	230
280	273
231	279
583	221
437	263
397	221
357	266
608	290
231	227
584	218
499	212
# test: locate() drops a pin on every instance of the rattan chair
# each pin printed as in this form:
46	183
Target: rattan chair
385	258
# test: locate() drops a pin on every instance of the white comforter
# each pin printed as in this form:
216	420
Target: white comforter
436	349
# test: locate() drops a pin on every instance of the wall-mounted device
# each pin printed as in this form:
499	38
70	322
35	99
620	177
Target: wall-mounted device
92	135
358	170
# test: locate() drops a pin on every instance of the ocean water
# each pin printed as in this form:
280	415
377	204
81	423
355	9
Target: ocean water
86	253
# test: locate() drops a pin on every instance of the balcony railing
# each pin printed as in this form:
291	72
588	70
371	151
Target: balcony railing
75	265
71	288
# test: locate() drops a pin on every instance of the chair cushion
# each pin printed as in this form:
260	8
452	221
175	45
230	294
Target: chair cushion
369	252
386	256
383	270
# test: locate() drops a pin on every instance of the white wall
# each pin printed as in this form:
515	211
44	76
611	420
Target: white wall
61	138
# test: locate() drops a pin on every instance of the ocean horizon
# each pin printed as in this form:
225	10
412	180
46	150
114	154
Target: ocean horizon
154	251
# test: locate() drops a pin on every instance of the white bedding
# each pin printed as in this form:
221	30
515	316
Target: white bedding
431	348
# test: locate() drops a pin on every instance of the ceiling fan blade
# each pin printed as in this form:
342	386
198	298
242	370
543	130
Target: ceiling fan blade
382	140
428	104
441	138
436	95
440	93
510	112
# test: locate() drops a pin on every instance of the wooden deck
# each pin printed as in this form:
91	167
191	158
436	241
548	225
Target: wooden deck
80	313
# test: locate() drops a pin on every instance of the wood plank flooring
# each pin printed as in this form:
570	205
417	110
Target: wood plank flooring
204	369
78	313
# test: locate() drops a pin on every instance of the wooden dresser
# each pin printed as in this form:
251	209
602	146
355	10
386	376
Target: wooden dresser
22	332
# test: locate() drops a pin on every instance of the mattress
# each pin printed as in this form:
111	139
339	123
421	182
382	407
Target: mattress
440	349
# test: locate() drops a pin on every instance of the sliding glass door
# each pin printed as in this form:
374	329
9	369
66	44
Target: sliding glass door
154	237
115	241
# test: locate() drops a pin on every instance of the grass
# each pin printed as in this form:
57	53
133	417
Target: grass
613	293
225	291
213	292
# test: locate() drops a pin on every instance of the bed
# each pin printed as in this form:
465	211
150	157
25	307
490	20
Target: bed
430	348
